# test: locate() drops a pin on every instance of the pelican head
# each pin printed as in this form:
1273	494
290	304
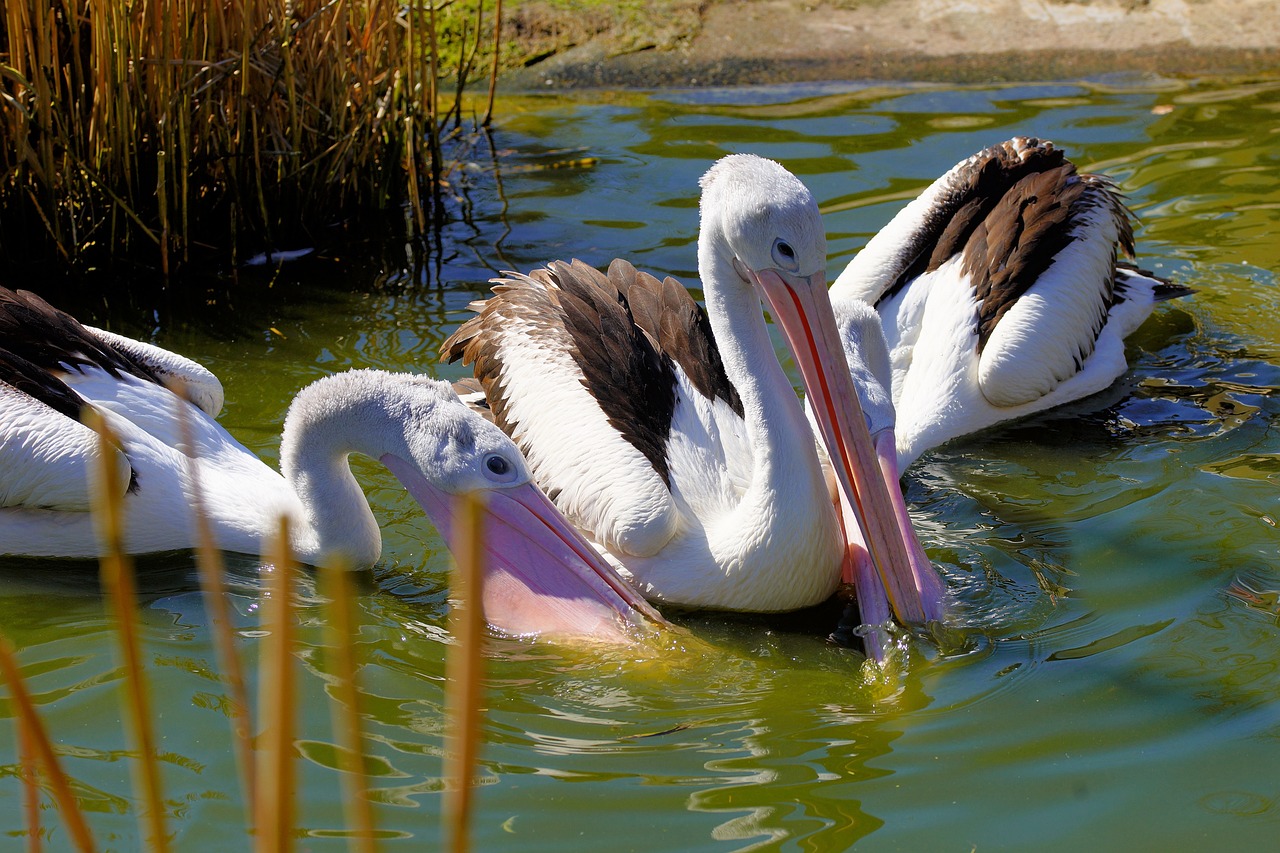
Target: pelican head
541	575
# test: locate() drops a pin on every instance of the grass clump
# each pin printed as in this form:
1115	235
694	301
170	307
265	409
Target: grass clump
162	130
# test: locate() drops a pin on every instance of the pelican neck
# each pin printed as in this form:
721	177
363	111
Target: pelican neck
777	431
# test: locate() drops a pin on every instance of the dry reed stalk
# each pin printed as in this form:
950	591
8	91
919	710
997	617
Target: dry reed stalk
213	587
346	706
43	26
274	812
415	193
117	577
493	70
152	121
432	110
465	668
465	62
32	732
30	790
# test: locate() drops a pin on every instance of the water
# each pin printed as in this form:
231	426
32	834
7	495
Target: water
1113	564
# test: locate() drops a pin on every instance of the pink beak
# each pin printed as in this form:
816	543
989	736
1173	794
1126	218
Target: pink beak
926	577
802	308
541	576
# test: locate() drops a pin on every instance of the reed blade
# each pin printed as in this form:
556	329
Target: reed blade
346	706
121	587
275	791
465	668
32	734
213	587
493	70
30	789
161	130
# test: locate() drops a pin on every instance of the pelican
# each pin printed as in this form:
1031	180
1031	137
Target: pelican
543	576
999	294
670	435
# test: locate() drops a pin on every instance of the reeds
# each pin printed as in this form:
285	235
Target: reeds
213	586
163	128
466	674
276	779
118	582
346	707
38	755
267	769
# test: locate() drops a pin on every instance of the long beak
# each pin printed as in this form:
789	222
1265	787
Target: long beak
927	581
801	307
541	576
873	604
859	570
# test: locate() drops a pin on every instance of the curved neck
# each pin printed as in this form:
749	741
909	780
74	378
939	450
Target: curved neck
782	444
321	432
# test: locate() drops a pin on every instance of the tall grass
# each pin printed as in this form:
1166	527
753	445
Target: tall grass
121	588
163	130
275	779
465	662
38	754
266	761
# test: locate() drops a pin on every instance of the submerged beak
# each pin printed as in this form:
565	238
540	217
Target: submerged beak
873	604
802	308
541	576
927	581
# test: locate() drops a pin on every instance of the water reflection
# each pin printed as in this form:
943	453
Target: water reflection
1113	564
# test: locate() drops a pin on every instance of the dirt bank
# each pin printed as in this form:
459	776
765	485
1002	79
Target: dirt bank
772	41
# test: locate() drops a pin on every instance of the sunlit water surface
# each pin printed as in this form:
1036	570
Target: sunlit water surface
1113	565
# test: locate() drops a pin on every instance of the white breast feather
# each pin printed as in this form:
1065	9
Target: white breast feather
708	455
902	321
936	378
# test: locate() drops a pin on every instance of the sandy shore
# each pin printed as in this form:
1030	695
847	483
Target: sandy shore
773	41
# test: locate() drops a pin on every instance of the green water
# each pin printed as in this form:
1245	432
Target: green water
1114	694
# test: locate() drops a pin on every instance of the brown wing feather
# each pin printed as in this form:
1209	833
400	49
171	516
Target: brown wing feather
471	392
679	325
37	341
625	329
476	341
1008	211
973	189
631	379
39	384
1018	240
51	339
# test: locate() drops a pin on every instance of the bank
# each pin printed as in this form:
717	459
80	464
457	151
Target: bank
741	42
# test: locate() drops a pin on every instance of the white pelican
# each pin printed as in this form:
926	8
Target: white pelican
999	294
543	576
670	435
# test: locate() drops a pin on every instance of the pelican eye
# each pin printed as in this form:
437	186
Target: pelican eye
784	255
501	469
